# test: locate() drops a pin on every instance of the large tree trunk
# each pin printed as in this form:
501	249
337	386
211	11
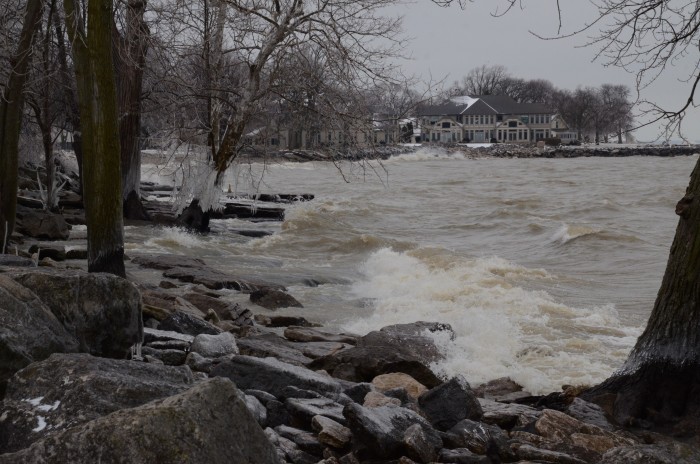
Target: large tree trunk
131	58
97	97
660	382
11	106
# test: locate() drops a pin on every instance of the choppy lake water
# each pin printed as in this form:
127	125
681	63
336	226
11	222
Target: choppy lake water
546	268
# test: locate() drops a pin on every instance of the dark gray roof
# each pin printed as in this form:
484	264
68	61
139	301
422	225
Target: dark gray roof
486	104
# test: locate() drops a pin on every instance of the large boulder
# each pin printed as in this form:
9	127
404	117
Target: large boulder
43	225
207	423
272	376
271	298
102	311
449	403
66	390
403	348
29	331
389	432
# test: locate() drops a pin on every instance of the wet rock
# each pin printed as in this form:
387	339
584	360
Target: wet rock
273	299
462	456
506	415
449	403
77	253
256	408
316	350
400	348
162	304
419	446
67	390
166	261
386	382
16	261
306	441
676	453
358	391
527	452
286	321
217	280
272	345
272	375
187	324
163	431
590	413
306	334
43	225
503	389
103	326
167	285
57	253
331	433
480	438
382	430
288	450
214	346
304	409
29	331
559	427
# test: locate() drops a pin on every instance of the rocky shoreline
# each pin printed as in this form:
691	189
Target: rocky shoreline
96	368
499	150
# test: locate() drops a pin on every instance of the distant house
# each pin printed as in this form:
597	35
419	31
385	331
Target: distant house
488	118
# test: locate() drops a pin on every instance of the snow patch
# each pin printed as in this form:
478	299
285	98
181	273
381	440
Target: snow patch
41	424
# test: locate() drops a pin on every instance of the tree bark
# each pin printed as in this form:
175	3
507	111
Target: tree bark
11	106
659	384
131	58
97	99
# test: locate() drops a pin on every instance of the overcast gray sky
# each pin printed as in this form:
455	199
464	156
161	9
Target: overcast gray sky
448	42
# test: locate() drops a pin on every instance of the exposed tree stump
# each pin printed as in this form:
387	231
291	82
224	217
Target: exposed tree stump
134	209
193	218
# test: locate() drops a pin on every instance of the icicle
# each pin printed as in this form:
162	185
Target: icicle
136	352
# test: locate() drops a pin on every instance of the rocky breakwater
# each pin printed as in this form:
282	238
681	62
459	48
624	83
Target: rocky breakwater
211	382
587	150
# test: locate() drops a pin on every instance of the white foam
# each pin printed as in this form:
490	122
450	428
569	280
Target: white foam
502	328
568	232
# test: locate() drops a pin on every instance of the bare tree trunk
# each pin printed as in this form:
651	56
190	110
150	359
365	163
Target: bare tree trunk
72	110
131	58
97	97
660	381
11	106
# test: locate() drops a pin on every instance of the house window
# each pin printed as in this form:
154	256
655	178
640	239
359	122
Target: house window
459	119
512	123
546	119
445	125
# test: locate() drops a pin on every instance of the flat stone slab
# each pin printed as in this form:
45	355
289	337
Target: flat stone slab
165	261
217	280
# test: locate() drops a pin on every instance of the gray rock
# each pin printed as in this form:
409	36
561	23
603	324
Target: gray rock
500	389
536	454
590	413
449	403
206	423
306	441
307	334
16	261
673	453
305	409
214	346
400	348
480	438
66	390
462	456
168	357
102	311
155	335
331	433
507	415
270	298
359	391
418	446
43	225
29	331
294	392
185	323
288	450
166	261
272	375
273	345
256	408
199	363
217	280
382	430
